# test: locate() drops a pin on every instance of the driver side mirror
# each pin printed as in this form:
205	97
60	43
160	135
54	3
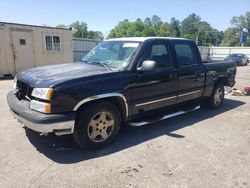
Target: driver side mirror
147	65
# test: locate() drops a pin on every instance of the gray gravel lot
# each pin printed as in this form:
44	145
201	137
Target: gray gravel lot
201	149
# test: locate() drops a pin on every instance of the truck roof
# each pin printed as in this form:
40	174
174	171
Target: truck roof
142	39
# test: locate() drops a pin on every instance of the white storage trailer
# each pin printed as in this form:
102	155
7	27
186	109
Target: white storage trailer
26	46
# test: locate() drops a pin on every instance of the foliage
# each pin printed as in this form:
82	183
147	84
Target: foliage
132	29
175	27
97	35
232	35
243	21
191	27
80	30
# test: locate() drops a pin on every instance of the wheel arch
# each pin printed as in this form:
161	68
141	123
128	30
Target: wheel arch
117	99
222	80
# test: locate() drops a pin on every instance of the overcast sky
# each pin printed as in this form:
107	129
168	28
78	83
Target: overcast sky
103	15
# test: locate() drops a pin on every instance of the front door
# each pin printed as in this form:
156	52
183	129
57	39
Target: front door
158	88
23	50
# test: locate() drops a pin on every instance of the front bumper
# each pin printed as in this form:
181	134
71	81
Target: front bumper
60	124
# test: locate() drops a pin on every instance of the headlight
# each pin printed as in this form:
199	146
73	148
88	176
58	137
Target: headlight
42	93
40	106
15	80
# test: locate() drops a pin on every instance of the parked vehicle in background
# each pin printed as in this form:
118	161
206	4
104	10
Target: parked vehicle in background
239	59
121	81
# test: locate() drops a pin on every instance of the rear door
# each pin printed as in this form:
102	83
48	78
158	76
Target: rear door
190	71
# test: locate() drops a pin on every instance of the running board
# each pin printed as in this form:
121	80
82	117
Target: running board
141	123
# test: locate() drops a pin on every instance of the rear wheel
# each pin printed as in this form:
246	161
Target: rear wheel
216	98
97	125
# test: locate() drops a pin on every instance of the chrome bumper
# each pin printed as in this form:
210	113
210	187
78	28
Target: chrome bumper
59	129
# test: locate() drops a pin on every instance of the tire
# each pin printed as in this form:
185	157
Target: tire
97	125
216	98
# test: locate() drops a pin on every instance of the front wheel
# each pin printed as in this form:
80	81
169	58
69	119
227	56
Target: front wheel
97	125
216	98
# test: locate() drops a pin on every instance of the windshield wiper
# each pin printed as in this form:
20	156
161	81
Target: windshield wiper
98	63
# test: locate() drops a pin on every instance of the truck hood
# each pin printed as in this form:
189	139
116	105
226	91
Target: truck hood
47	76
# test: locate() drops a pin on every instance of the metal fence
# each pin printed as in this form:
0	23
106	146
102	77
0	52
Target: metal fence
82	46
204	51
219	53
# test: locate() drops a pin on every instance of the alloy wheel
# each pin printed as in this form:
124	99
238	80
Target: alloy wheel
218	96
101	126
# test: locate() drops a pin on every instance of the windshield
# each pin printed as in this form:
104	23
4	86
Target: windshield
112	54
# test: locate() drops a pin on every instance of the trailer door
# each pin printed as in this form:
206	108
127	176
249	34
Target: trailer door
22	50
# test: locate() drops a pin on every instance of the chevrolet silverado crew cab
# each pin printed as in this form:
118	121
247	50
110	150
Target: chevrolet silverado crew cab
121	81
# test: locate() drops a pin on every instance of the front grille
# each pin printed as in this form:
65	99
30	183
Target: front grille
23	90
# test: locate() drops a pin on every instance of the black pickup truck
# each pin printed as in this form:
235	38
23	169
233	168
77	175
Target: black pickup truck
121	81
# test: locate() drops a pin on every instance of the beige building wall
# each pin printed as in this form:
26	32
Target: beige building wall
40	55
6	52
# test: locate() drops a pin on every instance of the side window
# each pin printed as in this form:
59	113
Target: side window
52	43
185	54
48	41
160	54
56	41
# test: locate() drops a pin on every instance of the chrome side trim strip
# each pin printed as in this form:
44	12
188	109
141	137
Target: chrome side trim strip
155	101
189	93
101	96
138	124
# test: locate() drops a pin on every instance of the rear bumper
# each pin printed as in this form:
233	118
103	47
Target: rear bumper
44	123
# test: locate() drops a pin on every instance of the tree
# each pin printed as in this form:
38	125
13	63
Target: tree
98	35
148	31
80	30
190	26
148	22
243	21
217	37
156	24
165	30
156	20
194	28
131	29
175	27
240	22
138	27
231	37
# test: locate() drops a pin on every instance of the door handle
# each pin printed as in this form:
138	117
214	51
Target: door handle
197	73
172	76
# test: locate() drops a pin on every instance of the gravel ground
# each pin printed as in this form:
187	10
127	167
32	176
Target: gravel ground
201	149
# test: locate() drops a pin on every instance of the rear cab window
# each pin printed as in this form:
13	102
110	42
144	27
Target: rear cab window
186	54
